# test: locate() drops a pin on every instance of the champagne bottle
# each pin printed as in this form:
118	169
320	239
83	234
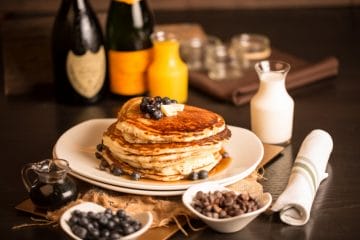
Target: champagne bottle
79	57
129	26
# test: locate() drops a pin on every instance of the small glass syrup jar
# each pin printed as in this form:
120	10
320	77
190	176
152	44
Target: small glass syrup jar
50	187
167	73
272	108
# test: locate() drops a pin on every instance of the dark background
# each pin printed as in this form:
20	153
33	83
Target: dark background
31	122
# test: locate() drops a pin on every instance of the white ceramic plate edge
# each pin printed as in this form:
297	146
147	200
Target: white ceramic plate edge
129	190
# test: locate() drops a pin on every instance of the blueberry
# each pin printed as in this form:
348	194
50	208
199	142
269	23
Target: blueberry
73	220
108	211
103	220
105	233
116	219
124	224
109	216
137	226
135	176
129	230
99	147
76	213
80	232
98	215
98	155
158	99
203	174
145	100
120	213
96	224
83	214
166	101
225	155
157	114
84	221
143	106
95	233
103	165
193	176
90	227
150	108
116	171
151	101
115	235
111	224
90	214
157	105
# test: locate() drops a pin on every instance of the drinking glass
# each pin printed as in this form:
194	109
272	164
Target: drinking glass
249	48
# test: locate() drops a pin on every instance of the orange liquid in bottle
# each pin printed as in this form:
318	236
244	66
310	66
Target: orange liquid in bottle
167	74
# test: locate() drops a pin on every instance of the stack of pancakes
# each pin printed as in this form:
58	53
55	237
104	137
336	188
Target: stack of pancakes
168	149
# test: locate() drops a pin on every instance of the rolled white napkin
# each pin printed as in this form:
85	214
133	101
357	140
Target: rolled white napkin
307	173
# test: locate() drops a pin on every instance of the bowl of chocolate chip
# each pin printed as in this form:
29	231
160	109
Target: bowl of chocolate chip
222	209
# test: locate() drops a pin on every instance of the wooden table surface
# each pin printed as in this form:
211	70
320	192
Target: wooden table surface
31	123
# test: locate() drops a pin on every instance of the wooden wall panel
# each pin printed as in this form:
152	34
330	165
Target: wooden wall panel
266	3
50	6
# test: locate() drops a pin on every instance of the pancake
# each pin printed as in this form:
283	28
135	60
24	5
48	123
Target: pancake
166	174
168	149
114	139
188	125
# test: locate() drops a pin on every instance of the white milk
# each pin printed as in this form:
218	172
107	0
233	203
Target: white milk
272	110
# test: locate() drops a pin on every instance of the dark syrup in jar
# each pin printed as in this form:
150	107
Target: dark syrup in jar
53	195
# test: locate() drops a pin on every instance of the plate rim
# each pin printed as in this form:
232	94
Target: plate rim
136	190
129	190
162	187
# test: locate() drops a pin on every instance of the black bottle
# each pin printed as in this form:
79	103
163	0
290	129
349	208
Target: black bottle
78	53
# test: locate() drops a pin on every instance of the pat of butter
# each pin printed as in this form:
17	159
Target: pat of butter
172	109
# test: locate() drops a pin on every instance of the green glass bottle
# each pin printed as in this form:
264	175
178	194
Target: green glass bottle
78	53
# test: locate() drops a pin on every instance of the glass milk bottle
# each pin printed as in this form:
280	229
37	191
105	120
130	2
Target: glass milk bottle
167	74
272	108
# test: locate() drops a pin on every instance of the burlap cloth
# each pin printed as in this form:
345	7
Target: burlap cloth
164	209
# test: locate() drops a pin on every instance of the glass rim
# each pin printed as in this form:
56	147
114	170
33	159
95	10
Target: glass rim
62	165
162	36
247	37
272	66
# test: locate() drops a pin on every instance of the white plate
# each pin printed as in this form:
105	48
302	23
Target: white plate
78	146
145	218
134	190
130	190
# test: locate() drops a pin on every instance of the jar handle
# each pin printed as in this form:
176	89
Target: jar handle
25	175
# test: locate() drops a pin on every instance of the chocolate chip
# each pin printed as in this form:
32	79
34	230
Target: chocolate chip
223	204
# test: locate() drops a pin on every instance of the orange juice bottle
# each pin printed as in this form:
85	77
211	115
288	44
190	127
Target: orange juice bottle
128	29
167	74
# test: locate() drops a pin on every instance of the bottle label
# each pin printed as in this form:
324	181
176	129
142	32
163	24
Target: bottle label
87	72
128	1
128	71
